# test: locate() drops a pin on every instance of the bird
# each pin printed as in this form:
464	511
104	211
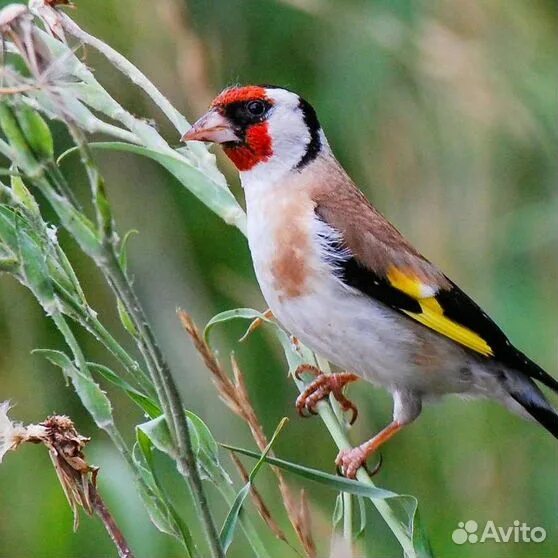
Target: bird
339	277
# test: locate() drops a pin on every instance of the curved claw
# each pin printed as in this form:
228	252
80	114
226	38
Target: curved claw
354	415
376	468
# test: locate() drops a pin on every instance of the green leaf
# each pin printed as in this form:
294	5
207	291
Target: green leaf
294	357
70	275
421	542
123	257
362	514
146	403
227	531
126	319
23	156
408	504
24	197
334	482
8	233
159	507
235	314
79	226
157	431
337	511
203	444
93	398
216	197
36	131
208	451
32	256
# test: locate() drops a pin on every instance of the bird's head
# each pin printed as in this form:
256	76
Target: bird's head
263	127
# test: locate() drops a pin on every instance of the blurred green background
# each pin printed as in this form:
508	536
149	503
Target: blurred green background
444	112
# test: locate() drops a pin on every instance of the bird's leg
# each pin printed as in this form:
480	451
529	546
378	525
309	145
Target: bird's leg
350	460
321	387
407	406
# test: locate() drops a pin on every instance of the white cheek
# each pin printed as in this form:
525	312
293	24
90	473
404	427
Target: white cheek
289	134
289	139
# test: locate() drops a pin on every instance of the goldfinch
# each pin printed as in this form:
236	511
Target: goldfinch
339	277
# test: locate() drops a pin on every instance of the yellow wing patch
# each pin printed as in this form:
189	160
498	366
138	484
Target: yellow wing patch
409	283
432	314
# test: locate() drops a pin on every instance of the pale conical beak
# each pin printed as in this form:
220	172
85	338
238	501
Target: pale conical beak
213	127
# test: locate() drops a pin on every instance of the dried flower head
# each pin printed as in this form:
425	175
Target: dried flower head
65	446
16	26
11	433
78	479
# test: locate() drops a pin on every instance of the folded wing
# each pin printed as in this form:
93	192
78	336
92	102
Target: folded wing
375	259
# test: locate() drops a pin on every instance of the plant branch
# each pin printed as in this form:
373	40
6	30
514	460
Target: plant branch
348	521
112	528
167	392
336	431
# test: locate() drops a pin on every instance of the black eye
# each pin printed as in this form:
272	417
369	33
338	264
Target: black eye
256	108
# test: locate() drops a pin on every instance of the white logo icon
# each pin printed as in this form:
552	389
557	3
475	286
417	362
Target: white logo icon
468	531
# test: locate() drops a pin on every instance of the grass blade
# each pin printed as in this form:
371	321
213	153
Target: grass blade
408	505
231	521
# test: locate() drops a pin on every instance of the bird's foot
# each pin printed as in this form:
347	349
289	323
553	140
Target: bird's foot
349	461
321	387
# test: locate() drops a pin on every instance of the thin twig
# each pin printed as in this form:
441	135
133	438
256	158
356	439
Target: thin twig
124	550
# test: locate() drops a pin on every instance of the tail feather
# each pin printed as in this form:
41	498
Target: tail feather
516	360
533	370
530	397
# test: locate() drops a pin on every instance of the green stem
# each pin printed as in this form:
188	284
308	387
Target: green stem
339	437
348	522
62	186
325	367
167	392
130	364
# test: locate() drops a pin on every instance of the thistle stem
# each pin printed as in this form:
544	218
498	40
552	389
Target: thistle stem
124	550
167	392
348	522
